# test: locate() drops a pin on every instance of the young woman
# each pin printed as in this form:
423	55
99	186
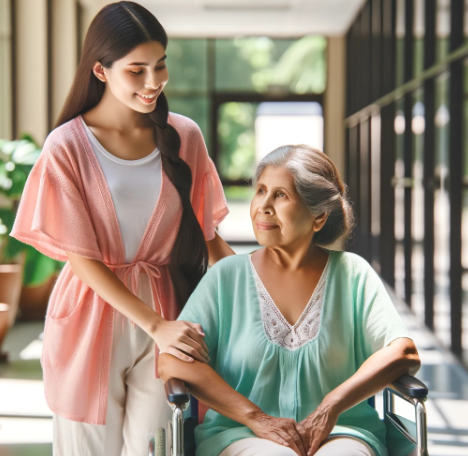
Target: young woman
125	193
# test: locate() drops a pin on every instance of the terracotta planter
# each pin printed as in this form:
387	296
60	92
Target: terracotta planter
4	310
34	300
11	278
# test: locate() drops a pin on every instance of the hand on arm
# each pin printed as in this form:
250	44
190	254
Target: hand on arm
207	386
376	373
180	338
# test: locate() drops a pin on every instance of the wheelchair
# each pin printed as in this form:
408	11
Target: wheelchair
404	437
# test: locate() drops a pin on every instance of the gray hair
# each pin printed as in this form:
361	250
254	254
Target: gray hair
320	186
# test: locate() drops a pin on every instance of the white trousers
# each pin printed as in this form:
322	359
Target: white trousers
333	446
136	403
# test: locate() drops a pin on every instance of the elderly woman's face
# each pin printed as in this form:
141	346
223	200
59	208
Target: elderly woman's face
279	215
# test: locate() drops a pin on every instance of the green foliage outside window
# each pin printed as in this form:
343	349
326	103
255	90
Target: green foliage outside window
237	140
201	69
265	64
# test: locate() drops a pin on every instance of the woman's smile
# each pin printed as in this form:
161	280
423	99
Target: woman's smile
148	98
266	225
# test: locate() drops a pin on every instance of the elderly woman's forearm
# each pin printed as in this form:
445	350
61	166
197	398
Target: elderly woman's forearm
377	372
207	386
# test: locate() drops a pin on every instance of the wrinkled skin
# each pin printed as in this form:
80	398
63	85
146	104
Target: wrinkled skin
283	431
305	437
317	427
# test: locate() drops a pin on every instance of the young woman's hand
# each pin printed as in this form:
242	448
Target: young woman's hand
182	339
283	431
317	427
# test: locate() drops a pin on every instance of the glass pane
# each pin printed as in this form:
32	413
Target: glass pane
237	226
236	133
285	122
262	64
249	131
375	187
417	222
399	126
400	42
196	108
442	29
418	37
442	211
465	22
187	65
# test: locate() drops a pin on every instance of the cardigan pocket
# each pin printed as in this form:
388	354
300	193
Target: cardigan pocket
74	360
68	295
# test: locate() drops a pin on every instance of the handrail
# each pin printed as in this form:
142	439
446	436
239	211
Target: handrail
407	87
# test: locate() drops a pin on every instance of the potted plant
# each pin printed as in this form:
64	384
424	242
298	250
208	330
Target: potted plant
21	266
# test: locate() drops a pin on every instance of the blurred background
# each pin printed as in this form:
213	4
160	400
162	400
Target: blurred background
380	85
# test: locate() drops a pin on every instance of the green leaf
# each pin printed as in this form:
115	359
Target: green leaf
29	138
25	153
12	249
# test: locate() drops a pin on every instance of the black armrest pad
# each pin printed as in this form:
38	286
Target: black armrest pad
410	386
177	391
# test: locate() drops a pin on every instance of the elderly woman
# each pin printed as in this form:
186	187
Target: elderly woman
299	335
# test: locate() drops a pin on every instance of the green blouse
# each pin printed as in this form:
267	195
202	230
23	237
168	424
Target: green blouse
353	318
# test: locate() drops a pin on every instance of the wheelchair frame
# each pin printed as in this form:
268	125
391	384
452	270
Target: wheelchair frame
406	387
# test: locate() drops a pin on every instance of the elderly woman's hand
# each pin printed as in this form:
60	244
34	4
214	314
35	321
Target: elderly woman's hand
317	426
280	430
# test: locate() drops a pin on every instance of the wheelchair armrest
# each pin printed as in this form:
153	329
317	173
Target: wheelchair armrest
409	386
177	391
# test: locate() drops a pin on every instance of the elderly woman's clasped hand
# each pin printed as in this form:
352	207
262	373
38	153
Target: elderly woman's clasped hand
317	427
284	431
305	437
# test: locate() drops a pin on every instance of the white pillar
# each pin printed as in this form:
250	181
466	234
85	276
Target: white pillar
31	68
64	52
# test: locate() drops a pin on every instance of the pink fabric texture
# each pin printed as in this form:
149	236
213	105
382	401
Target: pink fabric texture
67	207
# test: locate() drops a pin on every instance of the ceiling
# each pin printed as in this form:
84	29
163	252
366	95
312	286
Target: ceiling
228	18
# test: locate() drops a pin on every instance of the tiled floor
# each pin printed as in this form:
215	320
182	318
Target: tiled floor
447	380
26	425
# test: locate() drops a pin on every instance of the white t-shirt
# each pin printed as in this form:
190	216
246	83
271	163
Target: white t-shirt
135	186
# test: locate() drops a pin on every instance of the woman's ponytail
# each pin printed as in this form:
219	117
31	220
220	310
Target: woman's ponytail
189	256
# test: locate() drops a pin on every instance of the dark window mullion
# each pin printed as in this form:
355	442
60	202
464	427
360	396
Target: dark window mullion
387	194
408	159
456	176
376	45
429	163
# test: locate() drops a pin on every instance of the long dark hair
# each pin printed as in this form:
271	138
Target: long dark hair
114	32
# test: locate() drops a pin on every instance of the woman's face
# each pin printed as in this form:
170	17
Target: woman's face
279	215
138	78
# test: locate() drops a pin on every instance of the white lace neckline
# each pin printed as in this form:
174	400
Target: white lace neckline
277	329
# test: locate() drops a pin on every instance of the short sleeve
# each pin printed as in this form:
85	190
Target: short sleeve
208	200
52	215
202	307
378	321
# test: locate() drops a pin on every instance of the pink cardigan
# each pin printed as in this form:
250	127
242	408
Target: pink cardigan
67	207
